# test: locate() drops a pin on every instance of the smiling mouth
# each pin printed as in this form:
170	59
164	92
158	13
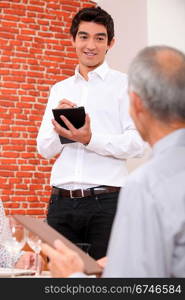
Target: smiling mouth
89	53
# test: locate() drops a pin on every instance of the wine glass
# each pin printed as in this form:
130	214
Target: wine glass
13	238
35	244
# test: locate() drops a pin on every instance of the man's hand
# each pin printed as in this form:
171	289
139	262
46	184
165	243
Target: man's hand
63	260
64	103
28	261
81	135
102	262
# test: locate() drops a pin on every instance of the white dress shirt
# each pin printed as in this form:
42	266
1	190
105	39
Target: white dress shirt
114	137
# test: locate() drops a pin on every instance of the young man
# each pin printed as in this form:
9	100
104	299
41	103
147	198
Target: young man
88	174
148	236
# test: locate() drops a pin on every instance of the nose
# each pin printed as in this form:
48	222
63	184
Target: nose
91	44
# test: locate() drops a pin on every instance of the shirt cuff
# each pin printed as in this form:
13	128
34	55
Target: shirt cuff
78	275
95	142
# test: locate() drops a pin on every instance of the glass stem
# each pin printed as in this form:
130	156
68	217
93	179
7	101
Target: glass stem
37	267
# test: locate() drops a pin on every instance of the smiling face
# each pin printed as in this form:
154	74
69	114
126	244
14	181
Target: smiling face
91	45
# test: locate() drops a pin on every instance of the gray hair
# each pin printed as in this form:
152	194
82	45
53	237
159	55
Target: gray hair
160	81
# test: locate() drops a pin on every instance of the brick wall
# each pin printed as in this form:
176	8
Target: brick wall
35	52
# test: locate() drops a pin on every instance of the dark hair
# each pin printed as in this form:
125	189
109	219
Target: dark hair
96	15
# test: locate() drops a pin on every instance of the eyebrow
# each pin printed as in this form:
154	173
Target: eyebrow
97	34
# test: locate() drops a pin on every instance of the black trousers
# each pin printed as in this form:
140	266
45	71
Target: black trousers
84	220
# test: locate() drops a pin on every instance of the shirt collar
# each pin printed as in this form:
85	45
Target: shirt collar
101	71
176	138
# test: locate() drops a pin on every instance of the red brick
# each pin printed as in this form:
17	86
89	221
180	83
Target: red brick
34	161
53	6
32	199
33	93
35	27
18	6
4	141
28	155
31	142
21	186
10	154
4	5
69	8
35	8
43	22
32	129
6	174
17	212
38	180
27	168
7	92
11	205
11	134
35	212
7	192
14	78
15	180
18	128
5	198
49	41
18	12
24	38
28	20
31	149
45	199
3	180
14	148
72	3
20	142
36	187
11	85
8	161
6	35
44	169
23	174
24	105
9	167
37	205
5	186
35	74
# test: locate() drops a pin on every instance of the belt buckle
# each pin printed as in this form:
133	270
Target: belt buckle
71	194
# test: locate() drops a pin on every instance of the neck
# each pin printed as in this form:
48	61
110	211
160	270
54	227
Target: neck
159	130
84	70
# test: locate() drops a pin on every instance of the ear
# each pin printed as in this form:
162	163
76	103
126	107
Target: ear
111	44
136	104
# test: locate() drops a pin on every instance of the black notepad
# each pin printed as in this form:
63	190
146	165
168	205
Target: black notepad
76	115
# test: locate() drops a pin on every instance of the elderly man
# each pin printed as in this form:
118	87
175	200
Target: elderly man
148	235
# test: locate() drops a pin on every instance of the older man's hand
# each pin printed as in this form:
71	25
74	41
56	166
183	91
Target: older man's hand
63	261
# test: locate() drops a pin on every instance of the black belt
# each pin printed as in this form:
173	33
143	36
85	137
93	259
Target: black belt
84	193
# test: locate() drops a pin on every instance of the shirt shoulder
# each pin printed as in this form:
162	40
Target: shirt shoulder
118	75
162	178
64	83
